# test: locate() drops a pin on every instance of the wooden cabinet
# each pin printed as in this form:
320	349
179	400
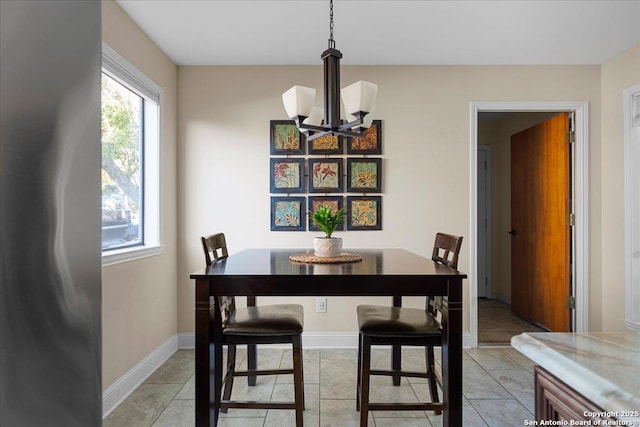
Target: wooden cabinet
557	401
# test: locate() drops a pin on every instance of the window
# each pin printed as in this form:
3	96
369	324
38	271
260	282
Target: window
122	165
130	161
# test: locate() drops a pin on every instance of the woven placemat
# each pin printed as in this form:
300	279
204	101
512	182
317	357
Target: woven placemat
310	258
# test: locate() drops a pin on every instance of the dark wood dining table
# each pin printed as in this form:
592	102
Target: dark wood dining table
269	272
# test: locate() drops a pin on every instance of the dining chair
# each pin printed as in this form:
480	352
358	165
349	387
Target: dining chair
268	324
400	326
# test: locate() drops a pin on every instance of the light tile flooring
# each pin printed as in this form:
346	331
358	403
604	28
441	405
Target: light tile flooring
497	385
496	323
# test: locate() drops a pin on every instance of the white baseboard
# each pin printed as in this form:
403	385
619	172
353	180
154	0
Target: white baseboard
186	340
125	385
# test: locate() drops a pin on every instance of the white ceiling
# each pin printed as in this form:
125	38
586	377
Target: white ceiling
384	32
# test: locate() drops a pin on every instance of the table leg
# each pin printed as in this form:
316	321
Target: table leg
252	354
396	351
205	415
216	389
452	356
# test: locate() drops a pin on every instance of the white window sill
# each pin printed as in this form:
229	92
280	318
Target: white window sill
130	254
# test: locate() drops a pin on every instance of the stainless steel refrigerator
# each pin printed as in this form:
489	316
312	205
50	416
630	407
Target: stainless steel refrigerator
50	265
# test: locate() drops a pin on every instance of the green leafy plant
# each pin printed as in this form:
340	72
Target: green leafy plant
327	220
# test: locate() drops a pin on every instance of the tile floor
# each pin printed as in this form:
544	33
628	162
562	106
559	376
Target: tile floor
496	323
498	391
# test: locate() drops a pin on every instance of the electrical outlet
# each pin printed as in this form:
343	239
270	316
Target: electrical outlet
321	305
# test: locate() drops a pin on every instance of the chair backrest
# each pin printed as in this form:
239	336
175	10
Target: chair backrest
215	249
446	249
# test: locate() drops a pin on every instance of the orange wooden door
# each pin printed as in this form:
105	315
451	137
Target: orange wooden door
540	240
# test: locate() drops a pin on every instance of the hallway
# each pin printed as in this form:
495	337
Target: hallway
496	323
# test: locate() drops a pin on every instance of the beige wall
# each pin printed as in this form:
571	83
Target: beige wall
223	136
619	73
139	298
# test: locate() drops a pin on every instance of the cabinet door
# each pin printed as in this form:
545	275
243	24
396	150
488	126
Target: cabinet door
557	401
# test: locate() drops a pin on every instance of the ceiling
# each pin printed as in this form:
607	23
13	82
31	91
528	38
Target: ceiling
379	32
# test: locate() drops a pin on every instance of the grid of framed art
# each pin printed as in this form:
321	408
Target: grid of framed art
321	170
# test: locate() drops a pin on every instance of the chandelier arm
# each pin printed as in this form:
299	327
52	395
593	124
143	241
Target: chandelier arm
329	132
347	126
314	127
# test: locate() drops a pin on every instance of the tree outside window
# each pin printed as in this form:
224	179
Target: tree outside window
122	142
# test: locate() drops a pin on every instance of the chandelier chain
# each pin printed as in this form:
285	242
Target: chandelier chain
332	43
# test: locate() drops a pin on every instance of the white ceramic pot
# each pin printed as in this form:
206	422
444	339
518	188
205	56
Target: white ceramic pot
327	247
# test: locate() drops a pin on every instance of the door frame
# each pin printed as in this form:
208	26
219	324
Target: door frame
487	150
580	203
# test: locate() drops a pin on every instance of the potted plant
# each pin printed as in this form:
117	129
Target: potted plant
328	221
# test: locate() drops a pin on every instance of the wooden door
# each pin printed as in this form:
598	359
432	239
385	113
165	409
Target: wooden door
540	235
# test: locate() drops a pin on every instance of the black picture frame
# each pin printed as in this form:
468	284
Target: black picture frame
286	175
369	143
329	144
362	177
326	175
317	200
286	138
288	213
364	213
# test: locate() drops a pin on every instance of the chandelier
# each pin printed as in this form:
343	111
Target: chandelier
358	100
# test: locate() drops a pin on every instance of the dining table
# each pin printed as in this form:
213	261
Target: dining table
271	272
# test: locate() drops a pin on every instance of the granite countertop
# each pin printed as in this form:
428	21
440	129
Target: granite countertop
602	366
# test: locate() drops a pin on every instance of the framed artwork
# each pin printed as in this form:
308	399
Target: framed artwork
286	138
335	202
286	175
369	143
329	144
364	175
364	213
287	214
325	176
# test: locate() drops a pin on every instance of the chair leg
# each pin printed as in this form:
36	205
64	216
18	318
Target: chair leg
252	363
231	370
364	378
358	381
298	381
396	364
431	371
302	375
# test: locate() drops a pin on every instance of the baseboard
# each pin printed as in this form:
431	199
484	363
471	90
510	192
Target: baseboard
125	385
186	340
330	340
503	299
466	340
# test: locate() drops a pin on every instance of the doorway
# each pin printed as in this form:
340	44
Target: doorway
488	293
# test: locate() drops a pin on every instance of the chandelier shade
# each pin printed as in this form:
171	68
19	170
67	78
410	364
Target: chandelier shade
298	101
359	97
358	100
315	118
